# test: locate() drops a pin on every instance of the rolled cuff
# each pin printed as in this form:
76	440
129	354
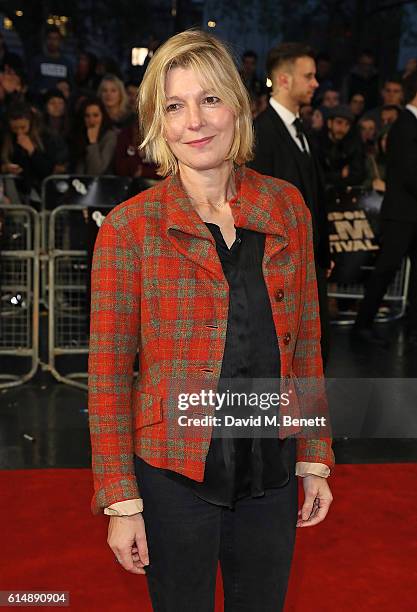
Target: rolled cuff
125	508
305	468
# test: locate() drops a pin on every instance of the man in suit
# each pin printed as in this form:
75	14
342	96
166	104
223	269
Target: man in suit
398	220
283	150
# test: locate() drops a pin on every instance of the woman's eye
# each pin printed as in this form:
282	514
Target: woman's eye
212	99
172	107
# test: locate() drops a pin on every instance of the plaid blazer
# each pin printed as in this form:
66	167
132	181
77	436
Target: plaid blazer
158	290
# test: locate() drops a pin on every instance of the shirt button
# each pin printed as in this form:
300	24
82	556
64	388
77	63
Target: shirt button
286	338
279	296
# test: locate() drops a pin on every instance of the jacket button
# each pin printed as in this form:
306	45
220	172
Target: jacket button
279	296
286	338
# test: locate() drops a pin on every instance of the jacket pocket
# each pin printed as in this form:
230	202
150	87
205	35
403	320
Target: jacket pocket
146	409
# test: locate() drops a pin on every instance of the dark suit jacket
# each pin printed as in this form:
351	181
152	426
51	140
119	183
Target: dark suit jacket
400	201
276	154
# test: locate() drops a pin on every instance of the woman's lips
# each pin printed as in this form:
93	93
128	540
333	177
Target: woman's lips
200	143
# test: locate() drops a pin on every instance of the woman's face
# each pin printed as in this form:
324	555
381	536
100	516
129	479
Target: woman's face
20	126
357	104
110	94
367	130
317	120
199	127
55	107
93	116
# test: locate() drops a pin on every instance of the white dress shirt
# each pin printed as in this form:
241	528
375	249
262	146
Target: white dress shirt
288	118
412	109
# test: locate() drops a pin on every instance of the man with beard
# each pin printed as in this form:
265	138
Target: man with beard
283	150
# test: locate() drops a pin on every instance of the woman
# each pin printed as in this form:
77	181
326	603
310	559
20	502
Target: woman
317	121
95	140
210	274
28	151
357	105
55	113
112	93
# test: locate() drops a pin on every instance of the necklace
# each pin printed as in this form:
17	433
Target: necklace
220	204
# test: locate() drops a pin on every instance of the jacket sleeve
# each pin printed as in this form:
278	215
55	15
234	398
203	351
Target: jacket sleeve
114	333
307	362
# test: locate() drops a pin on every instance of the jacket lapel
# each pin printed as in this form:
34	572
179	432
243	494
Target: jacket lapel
259	211
254	207
186	231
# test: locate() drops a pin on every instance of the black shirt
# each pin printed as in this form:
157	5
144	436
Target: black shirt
242	467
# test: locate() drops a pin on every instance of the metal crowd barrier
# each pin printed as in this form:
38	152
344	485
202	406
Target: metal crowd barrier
71	189
19	290
67	295
396	295
70	244
62	231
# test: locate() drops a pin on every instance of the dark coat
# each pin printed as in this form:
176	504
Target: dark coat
334	156
400	200
276	154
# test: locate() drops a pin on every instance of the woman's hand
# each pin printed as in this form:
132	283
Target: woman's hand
378	184
92	134
25	142
11	168
127	539
317	500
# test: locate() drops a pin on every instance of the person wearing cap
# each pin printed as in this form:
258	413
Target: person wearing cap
341	151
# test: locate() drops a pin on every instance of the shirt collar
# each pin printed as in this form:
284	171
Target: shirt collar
286	115
412	109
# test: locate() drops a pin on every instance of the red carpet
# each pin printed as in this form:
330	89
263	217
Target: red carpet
362	558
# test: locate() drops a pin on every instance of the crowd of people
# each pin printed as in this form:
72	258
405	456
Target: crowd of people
59	117
78	117
348	118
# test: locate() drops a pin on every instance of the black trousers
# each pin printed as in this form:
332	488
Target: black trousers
187	536
398	239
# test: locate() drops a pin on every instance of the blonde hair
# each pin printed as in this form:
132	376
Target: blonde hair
124	100
214	63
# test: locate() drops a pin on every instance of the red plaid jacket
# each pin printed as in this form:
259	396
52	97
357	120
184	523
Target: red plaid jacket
158	289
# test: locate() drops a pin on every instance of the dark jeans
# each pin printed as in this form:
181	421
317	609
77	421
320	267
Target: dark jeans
187	536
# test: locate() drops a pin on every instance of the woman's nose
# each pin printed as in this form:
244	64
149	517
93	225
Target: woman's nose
194	117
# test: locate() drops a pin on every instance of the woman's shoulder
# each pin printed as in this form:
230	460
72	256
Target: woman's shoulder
110	135
282	195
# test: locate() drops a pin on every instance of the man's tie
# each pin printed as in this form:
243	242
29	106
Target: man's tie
301	134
